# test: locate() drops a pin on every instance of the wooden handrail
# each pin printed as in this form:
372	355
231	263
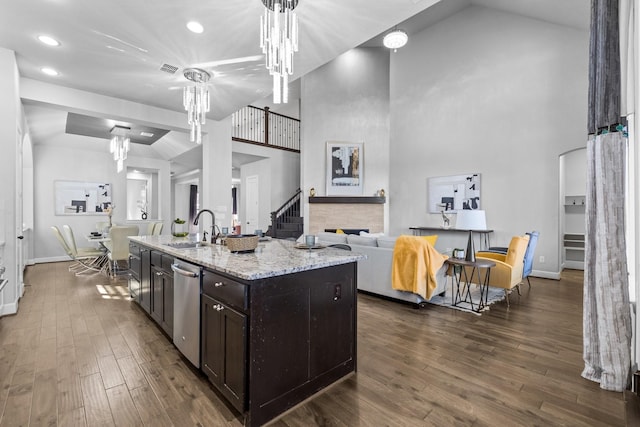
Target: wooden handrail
262	127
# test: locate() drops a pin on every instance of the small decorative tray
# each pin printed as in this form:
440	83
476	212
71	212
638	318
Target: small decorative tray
304	246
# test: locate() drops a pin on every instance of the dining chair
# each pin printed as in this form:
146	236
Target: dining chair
150	226
83	262
157	228
119	245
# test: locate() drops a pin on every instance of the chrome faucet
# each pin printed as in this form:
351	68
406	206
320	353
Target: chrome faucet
214	235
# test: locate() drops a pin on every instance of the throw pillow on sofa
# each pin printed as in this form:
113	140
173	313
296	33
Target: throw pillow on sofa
431	239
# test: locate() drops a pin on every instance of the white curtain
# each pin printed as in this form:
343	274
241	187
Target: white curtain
606	315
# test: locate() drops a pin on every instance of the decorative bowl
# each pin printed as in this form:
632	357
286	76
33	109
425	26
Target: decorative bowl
242	242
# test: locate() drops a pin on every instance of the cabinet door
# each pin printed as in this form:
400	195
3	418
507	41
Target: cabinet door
156	306
167	305
144	298
223	347
332	325
211	340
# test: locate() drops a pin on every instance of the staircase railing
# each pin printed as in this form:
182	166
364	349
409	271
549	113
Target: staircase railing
286	221
262	127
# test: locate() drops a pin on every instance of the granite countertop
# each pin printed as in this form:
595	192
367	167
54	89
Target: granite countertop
275	257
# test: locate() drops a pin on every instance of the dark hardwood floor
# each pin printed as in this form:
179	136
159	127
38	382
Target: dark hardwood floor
80	353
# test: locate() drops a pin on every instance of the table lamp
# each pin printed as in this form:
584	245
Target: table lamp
469	220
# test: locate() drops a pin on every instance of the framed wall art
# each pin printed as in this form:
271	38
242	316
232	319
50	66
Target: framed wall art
81	198
453	193
345	168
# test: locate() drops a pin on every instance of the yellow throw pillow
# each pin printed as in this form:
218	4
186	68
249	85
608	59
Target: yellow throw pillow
431	239
339	231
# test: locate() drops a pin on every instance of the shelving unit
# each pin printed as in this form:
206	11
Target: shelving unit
574	251
577	201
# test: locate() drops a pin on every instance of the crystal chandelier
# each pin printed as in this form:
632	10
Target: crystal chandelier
279	40
120	144
196	101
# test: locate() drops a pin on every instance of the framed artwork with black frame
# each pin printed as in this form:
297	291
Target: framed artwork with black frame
345	168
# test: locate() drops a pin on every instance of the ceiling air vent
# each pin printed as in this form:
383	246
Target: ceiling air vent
171	69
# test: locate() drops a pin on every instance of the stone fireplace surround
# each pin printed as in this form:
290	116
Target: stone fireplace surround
346	212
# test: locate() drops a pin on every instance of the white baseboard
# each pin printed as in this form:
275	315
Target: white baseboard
50	259
6	309
575	265
546	274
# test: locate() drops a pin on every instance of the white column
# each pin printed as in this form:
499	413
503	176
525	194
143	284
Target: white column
10	124
215	193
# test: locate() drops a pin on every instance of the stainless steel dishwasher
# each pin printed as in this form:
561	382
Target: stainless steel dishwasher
186	309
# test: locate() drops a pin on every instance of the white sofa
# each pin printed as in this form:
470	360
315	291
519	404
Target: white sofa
374	273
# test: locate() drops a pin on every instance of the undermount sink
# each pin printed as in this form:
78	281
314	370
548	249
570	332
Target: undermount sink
185	245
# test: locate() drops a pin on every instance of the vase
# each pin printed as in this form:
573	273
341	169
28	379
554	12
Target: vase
179	229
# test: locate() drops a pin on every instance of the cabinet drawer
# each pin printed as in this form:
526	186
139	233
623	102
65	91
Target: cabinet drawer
224	289
165	263
156	258
135	265
134	250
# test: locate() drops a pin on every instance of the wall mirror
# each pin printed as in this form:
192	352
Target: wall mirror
142	194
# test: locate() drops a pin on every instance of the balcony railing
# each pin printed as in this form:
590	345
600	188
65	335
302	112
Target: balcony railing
249	124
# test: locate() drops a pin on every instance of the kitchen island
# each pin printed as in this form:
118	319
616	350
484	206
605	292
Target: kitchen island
277	325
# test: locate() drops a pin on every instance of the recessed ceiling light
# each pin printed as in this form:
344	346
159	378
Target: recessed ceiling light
49	41
49	71
195	27
147	134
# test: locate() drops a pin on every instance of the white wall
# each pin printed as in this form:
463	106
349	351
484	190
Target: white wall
53	163
346	100
279	178
494	93
10	134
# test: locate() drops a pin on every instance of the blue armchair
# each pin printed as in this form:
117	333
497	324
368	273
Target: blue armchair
528	255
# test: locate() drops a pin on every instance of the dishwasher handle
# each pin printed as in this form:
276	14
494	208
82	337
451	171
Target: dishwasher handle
182	272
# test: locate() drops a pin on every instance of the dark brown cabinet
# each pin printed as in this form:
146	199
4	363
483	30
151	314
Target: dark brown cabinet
144	296
140	275
223	346
161	291
268	344
134	271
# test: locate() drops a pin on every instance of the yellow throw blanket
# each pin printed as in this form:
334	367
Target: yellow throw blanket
415	264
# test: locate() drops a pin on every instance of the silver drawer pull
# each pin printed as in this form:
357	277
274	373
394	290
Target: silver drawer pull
218	284
158	273
218	307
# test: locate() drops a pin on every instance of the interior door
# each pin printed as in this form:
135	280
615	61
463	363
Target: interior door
253	204
19	218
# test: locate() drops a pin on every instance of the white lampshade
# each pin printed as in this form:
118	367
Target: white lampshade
471	220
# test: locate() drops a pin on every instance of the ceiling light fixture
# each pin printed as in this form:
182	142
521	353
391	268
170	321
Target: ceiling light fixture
49	71
279	40
120	145
48	40
196	101
395	39
195	27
